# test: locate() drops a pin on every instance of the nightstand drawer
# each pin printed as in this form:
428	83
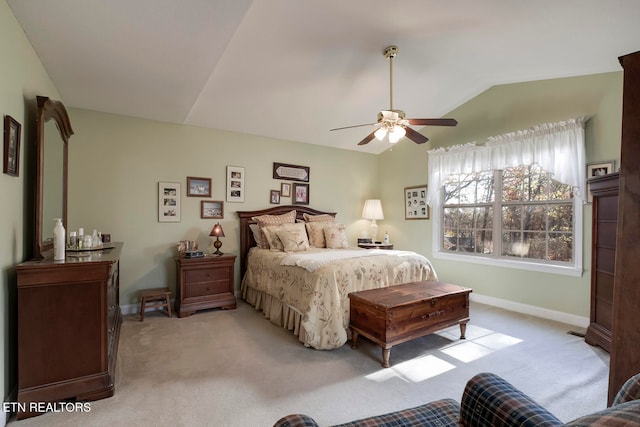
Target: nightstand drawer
194	290
206	275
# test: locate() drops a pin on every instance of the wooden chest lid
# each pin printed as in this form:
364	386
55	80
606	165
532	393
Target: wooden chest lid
408	293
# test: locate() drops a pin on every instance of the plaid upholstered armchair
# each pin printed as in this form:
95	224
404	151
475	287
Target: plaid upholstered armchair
490	401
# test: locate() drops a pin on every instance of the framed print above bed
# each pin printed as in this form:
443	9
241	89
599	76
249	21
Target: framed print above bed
300	194
168	202
415	202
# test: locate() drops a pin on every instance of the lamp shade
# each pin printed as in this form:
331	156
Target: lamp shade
217	231
372	209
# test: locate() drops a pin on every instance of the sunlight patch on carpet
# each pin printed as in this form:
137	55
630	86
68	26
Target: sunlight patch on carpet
414	370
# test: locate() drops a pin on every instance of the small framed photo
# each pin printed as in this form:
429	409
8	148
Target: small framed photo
235	184
596	169
275	197
11	146
285	189
198	187
168	202
300	194
415	202
212	209
599	169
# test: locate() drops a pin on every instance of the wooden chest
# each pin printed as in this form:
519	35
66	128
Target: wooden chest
393	315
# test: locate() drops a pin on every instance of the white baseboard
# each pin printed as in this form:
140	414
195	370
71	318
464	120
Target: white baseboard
532	310
545	313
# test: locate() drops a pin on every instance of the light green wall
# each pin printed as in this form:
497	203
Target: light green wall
22	77
116	163
499	110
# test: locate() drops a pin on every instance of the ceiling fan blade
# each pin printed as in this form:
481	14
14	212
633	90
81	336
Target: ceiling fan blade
367	139
415	136
433	122
355	126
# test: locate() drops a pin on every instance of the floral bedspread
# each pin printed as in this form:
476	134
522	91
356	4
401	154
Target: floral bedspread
321	296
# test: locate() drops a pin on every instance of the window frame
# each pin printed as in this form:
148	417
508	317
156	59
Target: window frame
574	269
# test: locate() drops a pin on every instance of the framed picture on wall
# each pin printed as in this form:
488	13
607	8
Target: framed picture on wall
285	189
300	194
198	187
595	170
168	202
212	209
11	146
415	202
235	184
275	197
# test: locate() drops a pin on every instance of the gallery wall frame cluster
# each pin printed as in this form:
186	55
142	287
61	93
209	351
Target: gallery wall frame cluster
169	199
415	202
298	190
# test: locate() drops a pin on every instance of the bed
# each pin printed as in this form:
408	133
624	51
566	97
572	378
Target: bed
306	291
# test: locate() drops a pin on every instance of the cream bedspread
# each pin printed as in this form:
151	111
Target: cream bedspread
315	305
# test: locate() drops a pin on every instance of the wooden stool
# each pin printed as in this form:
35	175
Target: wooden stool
159	297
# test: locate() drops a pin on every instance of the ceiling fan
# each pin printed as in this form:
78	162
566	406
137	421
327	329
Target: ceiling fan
393	122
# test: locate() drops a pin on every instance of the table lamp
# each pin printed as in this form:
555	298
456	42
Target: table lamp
373	210
218	232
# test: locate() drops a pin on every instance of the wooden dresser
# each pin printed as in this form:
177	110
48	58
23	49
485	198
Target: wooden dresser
68	328
603	258
203	283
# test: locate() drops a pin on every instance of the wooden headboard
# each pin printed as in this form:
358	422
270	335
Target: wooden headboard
246	236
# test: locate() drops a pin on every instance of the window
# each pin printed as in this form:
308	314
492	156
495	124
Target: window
514	200
518	213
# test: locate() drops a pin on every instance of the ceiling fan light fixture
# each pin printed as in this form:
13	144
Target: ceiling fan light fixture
396	134
381	133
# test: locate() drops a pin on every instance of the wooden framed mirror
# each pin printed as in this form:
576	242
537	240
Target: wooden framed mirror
52	137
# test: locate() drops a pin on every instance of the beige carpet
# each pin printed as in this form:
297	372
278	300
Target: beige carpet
235	368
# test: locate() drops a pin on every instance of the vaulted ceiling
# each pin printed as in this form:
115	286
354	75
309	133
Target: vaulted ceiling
293	69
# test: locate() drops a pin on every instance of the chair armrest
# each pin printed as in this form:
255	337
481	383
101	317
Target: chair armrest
488	400
296	420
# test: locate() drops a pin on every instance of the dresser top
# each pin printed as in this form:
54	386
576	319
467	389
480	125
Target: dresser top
74	258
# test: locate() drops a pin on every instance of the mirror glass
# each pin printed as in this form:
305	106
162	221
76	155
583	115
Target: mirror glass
52	178
54	130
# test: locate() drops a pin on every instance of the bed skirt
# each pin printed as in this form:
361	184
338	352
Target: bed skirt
276	311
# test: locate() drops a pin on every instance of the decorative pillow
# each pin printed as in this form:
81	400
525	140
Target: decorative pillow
271	238
335	236
315	230
258	236
293	237
267	220
318	218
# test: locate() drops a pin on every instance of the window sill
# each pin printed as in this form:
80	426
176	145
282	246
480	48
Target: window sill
508	263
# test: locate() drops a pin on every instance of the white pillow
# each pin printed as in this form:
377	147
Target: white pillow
258	236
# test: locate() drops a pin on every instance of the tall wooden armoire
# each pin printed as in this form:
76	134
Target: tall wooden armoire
625	345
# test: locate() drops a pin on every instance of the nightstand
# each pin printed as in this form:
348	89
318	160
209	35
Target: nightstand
203	283
375	245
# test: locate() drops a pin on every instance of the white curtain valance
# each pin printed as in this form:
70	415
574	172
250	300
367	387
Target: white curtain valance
557	148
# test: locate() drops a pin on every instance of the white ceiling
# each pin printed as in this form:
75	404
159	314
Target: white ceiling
293	69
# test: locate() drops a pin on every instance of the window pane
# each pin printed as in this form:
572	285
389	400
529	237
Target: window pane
484	217
451	193
536	244
560	247
466	218
538	186
512	217
450	217
535	218
484	242
560	191
560	217
512	244
486	188
512	185
467	192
